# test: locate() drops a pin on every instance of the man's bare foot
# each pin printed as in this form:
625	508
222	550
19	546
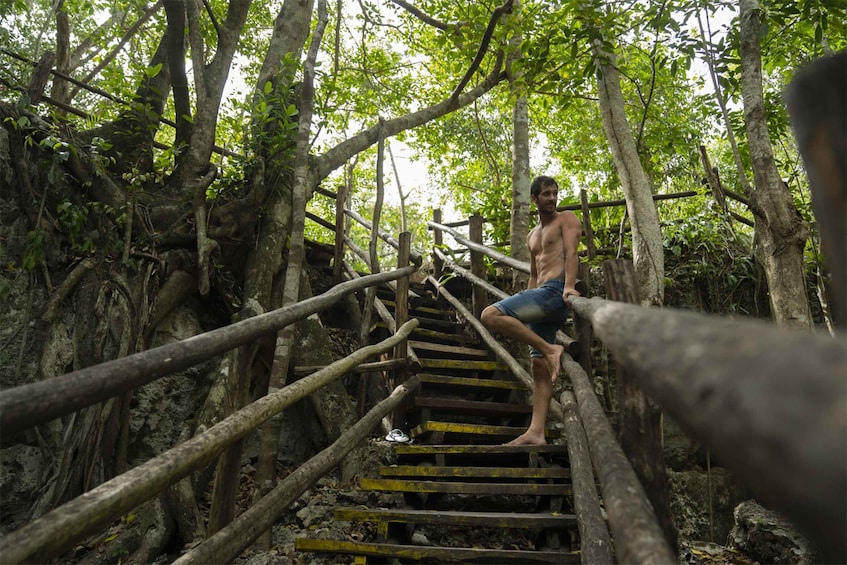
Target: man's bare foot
529	438
554	361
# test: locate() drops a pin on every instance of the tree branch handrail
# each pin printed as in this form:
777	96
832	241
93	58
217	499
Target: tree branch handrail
417	257
46	537
620	202
770	402
635	529
229	542
522	266
68	393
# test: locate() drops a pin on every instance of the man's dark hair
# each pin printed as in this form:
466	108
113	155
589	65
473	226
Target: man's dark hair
540	182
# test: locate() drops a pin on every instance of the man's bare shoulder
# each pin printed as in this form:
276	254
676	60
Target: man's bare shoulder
568	218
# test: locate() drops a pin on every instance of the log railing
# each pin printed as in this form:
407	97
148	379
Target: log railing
29	405
770	402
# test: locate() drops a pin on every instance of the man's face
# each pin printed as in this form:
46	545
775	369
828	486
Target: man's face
547	199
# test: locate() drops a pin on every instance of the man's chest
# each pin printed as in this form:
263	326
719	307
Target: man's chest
545	239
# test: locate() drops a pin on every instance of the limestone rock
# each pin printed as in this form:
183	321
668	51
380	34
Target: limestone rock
768	537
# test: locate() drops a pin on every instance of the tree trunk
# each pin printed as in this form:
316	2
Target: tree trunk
519	227
647	249
780	233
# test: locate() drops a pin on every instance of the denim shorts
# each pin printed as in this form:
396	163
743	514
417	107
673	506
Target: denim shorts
542	309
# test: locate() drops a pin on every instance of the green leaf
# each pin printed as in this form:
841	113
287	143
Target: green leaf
153	71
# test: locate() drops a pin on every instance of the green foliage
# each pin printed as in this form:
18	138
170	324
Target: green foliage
703	250
34	250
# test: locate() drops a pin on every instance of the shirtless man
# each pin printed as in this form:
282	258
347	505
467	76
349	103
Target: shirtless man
534	315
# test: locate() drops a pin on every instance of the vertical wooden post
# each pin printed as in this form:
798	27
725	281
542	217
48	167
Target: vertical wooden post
640	417
401	316
401	308
582	327
338	260
438	240
480	300
586	225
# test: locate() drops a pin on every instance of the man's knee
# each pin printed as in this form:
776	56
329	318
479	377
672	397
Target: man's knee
488	314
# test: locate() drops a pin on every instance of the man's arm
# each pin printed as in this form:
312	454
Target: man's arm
533	268
571	232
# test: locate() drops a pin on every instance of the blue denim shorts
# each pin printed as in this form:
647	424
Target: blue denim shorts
542	309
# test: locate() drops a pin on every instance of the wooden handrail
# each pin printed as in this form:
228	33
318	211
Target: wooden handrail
638	536
228	543
36	403
416	256
595	544
521	266
48	536
770	402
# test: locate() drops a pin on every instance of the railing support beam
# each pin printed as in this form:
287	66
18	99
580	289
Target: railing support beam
769	402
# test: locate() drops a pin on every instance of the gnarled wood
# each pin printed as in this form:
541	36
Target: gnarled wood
770	402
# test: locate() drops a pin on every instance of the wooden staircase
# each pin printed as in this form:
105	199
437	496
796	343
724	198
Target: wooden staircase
457	479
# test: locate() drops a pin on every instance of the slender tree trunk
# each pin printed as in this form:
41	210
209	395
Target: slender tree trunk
647	249
520	163
781	233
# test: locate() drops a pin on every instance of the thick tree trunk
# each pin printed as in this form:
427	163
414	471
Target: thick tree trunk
647	249
781	232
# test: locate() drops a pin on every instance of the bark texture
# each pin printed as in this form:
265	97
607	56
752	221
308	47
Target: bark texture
780	233
647	249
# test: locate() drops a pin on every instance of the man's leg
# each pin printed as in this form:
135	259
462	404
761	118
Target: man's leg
540	405
497	321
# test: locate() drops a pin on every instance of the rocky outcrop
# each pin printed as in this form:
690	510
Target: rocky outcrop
767	537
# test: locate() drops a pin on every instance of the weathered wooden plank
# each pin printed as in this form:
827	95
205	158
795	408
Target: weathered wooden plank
640	418
471	382
458	518
417	449
480	472
452	349
463	364
595	543
770	402
475	429
529	489
439	554
472	406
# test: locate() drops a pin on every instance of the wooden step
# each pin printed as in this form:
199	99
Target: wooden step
462	472
472	406
474	429
463	364
458	518
436	336
493	450
429	311
454	487
429	347
470	382
480	454
434	553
